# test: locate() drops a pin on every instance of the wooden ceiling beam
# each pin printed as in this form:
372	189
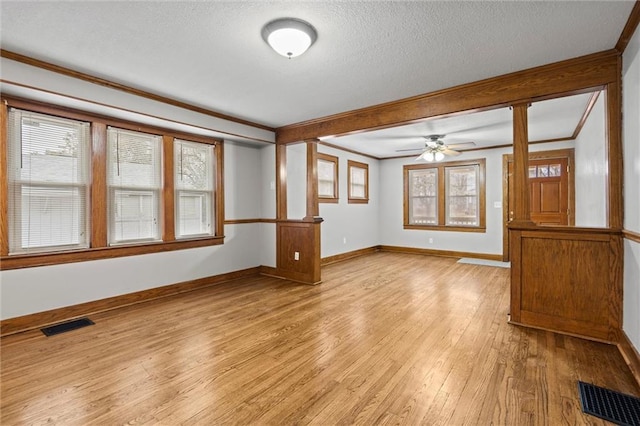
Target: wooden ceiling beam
565	77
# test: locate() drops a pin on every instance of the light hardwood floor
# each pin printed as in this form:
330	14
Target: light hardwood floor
385	339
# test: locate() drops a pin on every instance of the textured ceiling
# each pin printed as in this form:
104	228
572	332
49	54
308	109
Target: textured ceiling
550	119
211	54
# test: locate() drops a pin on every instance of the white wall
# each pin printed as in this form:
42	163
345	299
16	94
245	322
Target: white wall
348	227
296	181
489	242
631	150
591	169
25	291
268	206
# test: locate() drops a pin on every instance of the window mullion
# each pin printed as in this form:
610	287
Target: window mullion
98	198
442	196
168	194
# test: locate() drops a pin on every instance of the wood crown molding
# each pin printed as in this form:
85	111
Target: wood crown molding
567	76
42	319
629	28
123	88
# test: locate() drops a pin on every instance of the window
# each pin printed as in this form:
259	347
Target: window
327	178
358	184
193	184
447	196
134	173
101	187
48	182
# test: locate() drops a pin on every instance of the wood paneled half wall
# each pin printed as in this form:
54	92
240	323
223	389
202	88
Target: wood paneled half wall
567	280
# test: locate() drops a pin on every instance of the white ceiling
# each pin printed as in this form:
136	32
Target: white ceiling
211	54
549	119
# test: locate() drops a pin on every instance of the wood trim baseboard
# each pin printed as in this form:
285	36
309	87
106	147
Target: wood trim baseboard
630	355
555	331
348	255
440	253
254	220
42	319
270	271
630	235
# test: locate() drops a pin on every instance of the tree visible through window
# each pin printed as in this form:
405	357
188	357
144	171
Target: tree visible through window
445	196
48	182
135	181
194	183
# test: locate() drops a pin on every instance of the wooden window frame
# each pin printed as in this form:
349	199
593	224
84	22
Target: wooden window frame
99	248
332	159
442	196
358	200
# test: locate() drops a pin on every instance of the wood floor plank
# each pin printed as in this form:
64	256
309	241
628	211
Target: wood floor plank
387	338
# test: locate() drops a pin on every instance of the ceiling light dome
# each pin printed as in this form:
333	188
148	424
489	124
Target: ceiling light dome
290	37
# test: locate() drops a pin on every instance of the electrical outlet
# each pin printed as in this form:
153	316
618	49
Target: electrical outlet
296	255
430	240
344	240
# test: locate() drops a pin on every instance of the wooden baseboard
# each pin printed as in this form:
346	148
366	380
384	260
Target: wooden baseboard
441	253
564	333
42	319
270	271
349	255
630	355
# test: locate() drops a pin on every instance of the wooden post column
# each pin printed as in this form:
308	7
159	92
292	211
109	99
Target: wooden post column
521	197
313	210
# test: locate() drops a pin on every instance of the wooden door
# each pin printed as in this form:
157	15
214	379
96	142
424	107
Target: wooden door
550	190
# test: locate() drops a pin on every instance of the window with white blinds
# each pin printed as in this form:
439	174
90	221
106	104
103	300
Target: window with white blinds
327	178
134	179
358	182
194	183
48	182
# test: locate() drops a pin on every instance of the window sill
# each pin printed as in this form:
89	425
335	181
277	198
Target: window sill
43	259
447	228
358	201
328	200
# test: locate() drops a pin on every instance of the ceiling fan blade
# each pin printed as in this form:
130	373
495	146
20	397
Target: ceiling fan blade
461	145
450	152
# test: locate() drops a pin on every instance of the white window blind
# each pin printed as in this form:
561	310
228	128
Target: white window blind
48	179
194	183
326	178
358	181
134	178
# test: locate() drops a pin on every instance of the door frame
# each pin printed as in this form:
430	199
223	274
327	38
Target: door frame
569	154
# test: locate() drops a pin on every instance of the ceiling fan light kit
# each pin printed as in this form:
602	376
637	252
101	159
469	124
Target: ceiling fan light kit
435	149
289	37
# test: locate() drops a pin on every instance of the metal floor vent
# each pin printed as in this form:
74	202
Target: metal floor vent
609	405
66	326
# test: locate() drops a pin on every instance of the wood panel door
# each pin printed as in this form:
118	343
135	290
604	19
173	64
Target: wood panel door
549	191
551	187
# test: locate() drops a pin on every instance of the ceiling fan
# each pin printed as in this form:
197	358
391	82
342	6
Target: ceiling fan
435	149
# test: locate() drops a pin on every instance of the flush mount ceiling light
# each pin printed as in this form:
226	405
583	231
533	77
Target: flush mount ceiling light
290	37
